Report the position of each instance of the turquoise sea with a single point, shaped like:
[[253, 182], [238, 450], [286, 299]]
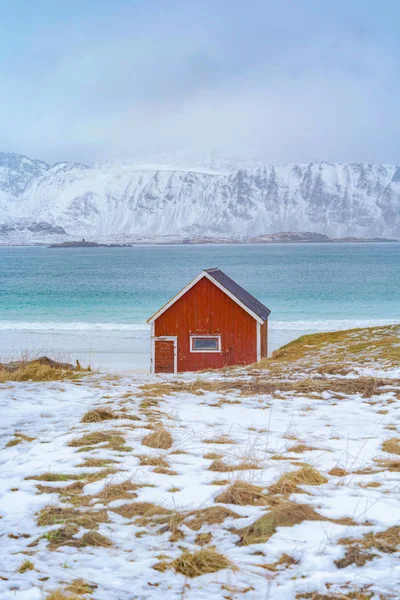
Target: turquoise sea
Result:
[[94, 302]]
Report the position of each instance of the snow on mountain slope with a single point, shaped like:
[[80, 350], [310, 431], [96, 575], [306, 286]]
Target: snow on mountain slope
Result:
[[118, 199]]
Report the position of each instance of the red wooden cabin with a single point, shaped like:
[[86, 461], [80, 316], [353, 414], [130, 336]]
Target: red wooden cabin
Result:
[[210, 324]]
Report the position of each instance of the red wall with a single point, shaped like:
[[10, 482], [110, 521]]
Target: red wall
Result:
[[207, 310]]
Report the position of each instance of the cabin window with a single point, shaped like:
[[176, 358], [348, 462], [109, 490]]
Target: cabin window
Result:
[[205, 343]]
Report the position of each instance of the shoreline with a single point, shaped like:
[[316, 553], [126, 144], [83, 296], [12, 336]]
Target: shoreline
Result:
[[132, 244], [125, 348]]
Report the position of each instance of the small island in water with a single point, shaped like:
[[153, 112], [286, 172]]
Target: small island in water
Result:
[[284, 237], [84, 244]]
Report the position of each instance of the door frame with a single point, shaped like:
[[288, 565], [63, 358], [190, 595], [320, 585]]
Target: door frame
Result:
[[167, 338]]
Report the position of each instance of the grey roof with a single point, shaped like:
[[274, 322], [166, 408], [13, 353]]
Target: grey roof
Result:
[[236, 290]]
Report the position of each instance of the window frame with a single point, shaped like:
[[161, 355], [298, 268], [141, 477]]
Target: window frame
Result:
[[205, 350]]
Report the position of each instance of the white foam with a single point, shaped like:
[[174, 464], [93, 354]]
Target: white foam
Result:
[[78, 326], [321, 325], [329, 325]]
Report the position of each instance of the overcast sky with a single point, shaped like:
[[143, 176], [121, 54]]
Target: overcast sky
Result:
[[285, 81]]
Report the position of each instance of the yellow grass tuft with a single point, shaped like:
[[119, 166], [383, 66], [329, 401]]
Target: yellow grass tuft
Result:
[[119, 491], [27, 565], [289, 482], [39, 369], [99, 414], [57, 515], [392, 446], [389, 465], [112, 439], [59, 595], [206, 560], [284, 514], [338, 472], [220, 466], [159, 438], [214, 515], [202, 539], [80, 586], [140, 509], [153, 461], [221, 439], [242, 493]]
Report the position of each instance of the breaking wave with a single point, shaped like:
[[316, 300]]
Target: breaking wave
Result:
[[329, 325], [52, 326], [313, 326]]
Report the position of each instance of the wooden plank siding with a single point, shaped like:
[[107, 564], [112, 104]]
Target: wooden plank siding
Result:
[[206, 310], [164, 356], [264, 339]]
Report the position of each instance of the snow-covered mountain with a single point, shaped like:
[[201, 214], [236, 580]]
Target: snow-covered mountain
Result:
[[117, 199]]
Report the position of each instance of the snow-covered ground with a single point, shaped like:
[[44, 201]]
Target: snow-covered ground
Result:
[[226, 427]]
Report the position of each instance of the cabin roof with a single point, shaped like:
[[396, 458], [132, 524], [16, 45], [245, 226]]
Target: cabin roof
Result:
[[239, 295]]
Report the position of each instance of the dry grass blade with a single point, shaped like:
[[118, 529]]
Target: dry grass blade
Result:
[[39, 369], [285, 514], [220, 466], [113, 439], [389, 465], [57, 515], [338, 472], [242, 493], [153, 461], [99, 414], [159, 438], [119, 491], [392, 446], [289, 482], [214, 515], [206, 560], [140, 509]]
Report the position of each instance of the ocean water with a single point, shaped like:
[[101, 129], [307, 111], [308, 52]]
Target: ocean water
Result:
[[93, 303]]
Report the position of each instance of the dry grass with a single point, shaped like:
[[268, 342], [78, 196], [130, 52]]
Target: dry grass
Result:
[[99, 414], [57, 515], [263, 385], [40, 369], [289, 482], [59, 595], [389, 465], [206, 560], [214, 515], [119, 491], [159, 438], [338, 472], [97, 462], [202, 539], [80, 586], [299, 448], [359, 550], [94, 538], [345, 595], [112, 439], [221, 439], [18, 438], [284, 514], [140, 509], [164, 471], [220, 466], [27, 565], [153, 461], [392, 446], [284, 562], [242, 494]]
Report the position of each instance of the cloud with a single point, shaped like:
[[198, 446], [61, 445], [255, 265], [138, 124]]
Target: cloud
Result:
[[289, 90]]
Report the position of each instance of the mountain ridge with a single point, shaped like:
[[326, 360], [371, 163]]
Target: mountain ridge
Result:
[[134, 198]]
